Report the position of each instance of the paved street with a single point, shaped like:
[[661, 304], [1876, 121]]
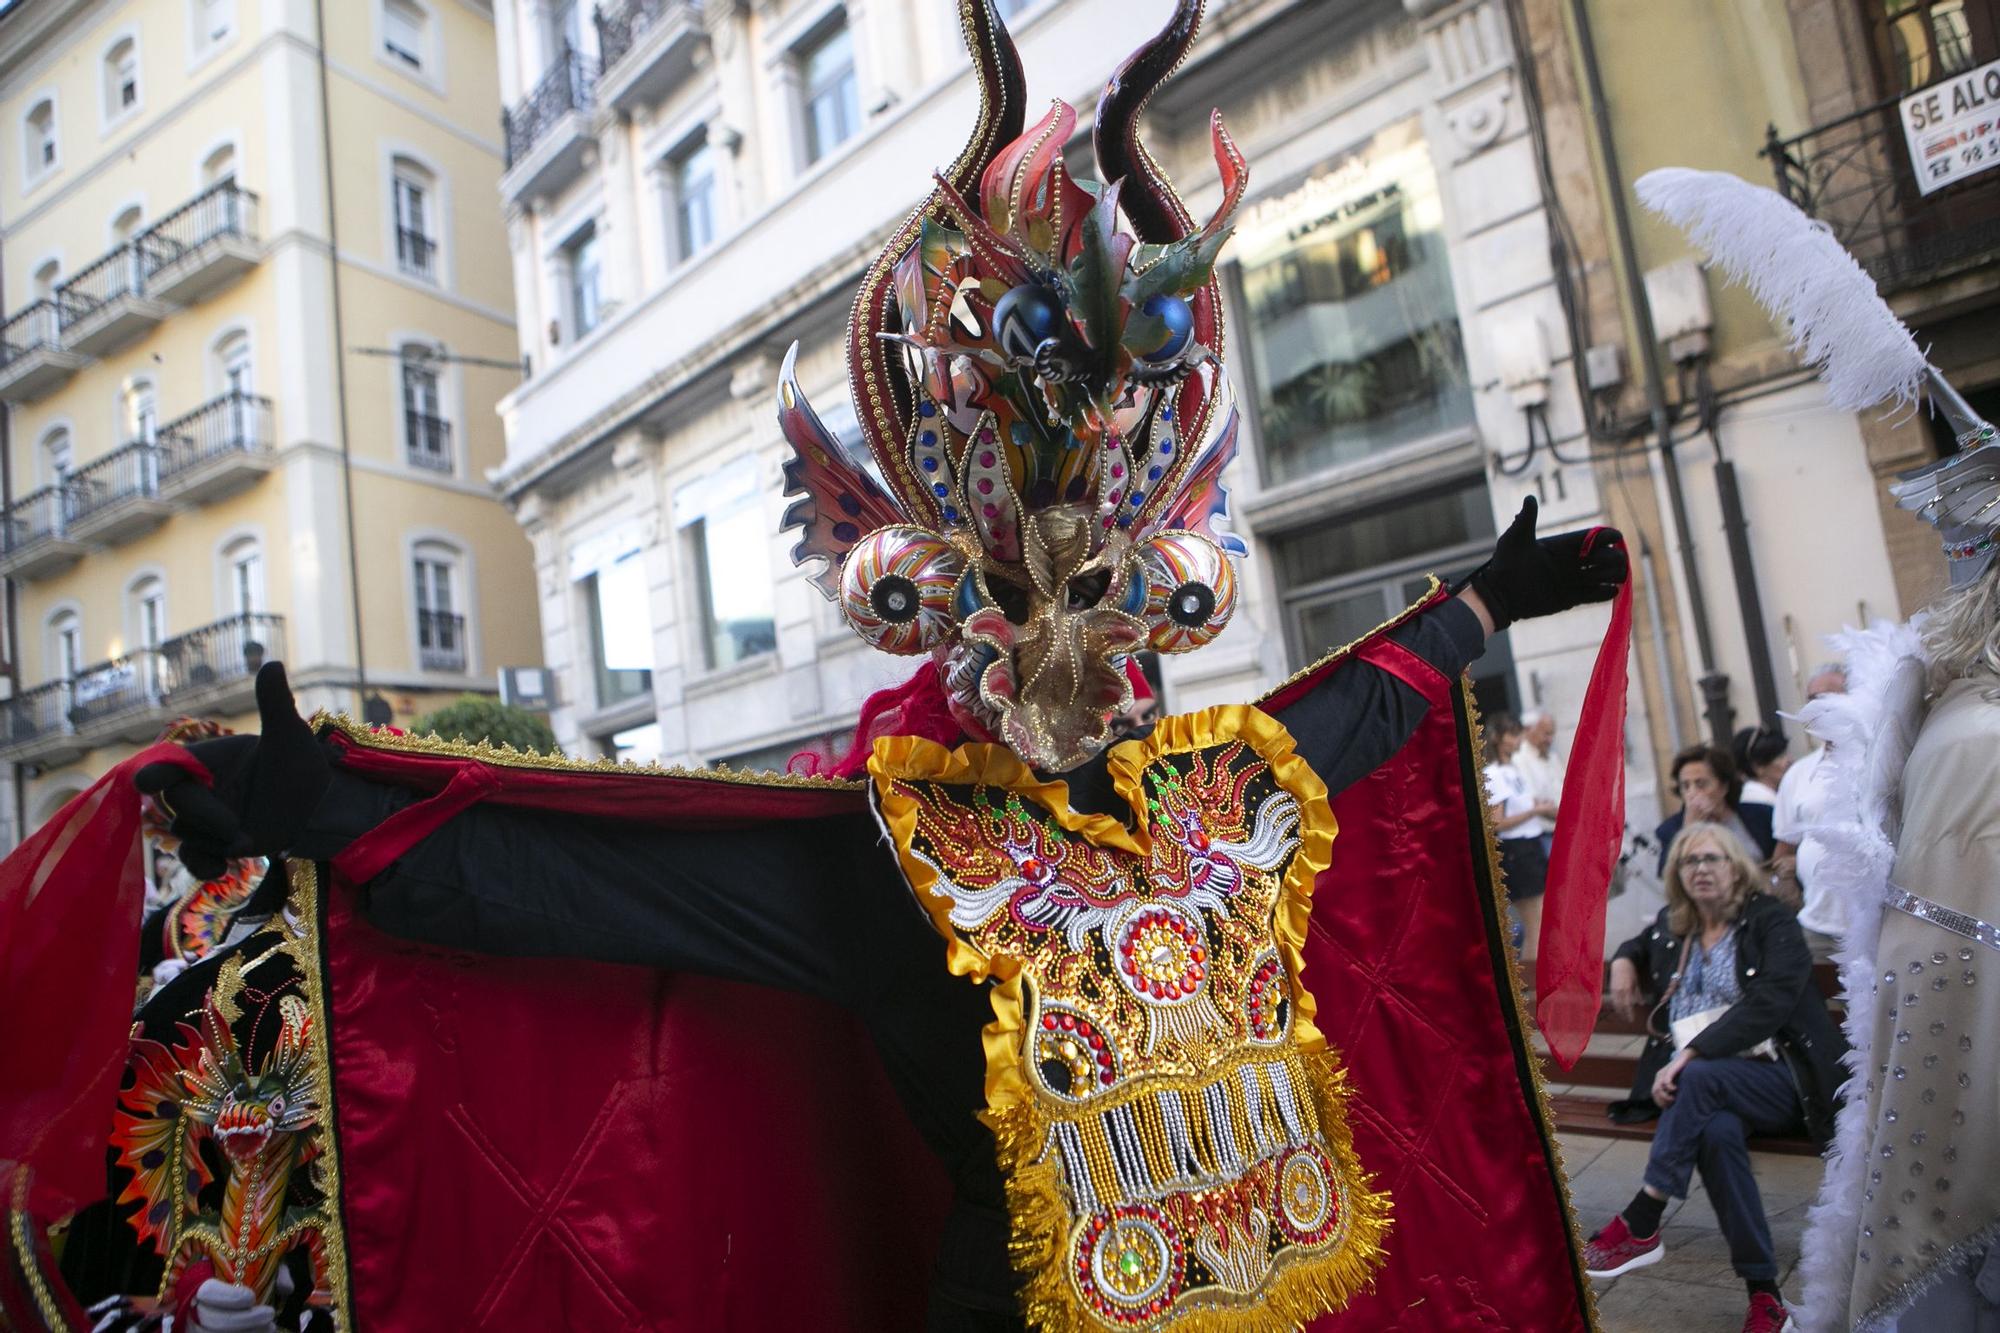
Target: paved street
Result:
[[1692, 1290]]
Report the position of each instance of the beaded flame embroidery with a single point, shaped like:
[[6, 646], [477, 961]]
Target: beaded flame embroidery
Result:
[[1170, 1122]]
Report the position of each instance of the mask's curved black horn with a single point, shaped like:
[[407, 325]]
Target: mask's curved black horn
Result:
[[883, 396], [1156, 212], [1003, 93]]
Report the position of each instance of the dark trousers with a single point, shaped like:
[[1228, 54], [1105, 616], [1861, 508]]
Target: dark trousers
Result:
[[1718, 1104]]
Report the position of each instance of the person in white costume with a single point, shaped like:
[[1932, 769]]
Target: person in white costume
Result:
[[1801, 796], [1904, 1234]]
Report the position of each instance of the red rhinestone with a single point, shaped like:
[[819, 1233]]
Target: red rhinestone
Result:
[[1198, 954], [1197, 972], [1031, 868], [1068, 1022], [1096, 1042], [1198, 840], [1108, 1079]]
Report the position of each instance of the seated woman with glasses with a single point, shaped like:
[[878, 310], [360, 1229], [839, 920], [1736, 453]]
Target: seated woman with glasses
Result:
[[1741, 1044], [1711, 791]]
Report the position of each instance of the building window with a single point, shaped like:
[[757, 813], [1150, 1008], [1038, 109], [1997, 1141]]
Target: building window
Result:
[[1352, 326], [416, 245], [47, 276], [634, 745], [426, 433], [243, 576], [39, 153], [149, 612], [65, 645], [565, 30], [583, 276], [1922, 41], [1341, 578], [727, 540], [142, 412], [121, 80], [58, 456], [440, 624], [693, 171], [214, 21], [618, 611], [233, 364], [219, 167], [234, 371], [832, 96], [405, 28]]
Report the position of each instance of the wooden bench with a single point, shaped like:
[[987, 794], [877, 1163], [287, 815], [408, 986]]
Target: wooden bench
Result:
[[1587, 1113]]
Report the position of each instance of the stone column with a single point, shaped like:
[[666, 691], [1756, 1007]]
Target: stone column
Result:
[[528, 303], [618, 226], [1517, 340]]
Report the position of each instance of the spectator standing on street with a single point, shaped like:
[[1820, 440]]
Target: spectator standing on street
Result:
[[1762, 755], [1519, 820], [1539, 763], [1711, 792], [1795, 861]]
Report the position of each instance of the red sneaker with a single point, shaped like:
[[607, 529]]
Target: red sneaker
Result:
[[1767, 1315], [1616, 1250]]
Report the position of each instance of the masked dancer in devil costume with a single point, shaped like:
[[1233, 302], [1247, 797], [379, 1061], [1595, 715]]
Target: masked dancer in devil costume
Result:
[[1083, 966]]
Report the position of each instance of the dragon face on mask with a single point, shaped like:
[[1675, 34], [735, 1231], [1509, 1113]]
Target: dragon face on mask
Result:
[[1035, 365]]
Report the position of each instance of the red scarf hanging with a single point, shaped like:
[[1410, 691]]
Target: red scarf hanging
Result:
[[1590, 827], [70, 898]]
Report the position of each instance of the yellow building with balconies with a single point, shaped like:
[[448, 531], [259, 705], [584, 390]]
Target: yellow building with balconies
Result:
[[257, 309]]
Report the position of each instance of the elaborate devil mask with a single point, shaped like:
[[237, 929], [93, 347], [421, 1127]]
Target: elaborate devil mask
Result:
[[1035, 365]]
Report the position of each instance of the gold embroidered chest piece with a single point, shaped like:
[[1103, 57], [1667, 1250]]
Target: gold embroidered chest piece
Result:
[[1170, 1122]]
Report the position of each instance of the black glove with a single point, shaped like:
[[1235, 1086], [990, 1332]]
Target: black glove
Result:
[[265, 786], [1525, 578]]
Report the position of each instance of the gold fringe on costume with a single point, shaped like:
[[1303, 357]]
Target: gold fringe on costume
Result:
[[1302, 1285]]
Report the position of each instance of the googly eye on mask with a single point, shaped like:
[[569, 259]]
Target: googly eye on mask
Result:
[[1190, 591], [897, 587]]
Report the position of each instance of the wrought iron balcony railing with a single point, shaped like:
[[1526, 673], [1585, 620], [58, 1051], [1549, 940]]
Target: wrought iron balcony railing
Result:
[[227, 652], [222, 210], [440, 640], [568, 86], [119, 272], [42, 514], [235, 423], [126, 473], [621, 25], [428, 440], [32, 328], [134, 693], [415, 252], [1855, 175]]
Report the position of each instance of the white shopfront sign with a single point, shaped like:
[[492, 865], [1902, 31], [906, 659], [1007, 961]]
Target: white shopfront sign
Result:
[[1953, 128]]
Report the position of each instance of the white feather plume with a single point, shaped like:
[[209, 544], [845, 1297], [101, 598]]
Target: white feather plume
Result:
[[1795, 269]]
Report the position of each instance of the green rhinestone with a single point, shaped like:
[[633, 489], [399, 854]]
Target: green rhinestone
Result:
[[1128, 1263]]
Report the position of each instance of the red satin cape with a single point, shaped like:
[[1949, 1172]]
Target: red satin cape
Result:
[[566, 1144]]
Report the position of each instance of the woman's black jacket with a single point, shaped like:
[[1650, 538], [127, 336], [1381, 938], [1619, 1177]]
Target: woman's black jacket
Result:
[[1774, 970]]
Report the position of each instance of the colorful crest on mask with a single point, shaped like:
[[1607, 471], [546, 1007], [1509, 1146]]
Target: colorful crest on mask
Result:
[[1035, 362]]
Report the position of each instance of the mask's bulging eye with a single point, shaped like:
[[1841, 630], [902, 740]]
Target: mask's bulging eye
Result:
[[1087, 590], [897, 588], [1191, 591], [1024, 318], [1176, 319]]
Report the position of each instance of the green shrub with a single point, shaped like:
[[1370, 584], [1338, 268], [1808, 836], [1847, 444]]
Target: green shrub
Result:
[[478, 717]]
